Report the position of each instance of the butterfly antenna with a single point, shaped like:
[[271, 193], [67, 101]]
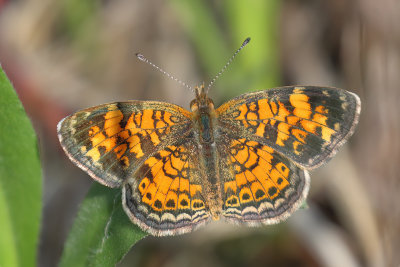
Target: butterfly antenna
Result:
[[245, 42], [144, 59]]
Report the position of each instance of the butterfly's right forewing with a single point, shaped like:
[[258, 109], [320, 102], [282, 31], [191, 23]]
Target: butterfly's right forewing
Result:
[[306, 124]]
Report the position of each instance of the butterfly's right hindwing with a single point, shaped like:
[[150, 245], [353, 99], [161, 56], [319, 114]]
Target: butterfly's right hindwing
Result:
[[260, 186]]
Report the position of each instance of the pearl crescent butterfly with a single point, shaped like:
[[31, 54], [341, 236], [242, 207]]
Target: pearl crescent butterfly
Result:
[[245, 161]]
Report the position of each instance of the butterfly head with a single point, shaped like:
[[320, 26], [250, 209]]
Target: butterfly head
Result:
[[201, 102]]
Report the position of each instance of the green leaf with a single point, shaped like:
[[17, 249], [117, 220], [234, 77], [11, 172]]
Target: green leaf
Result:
[[102, 233], [20, 182]]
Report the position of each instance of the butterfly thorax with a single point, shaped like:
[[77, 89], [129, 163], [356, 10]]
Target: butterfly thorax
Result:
[[204, 120], [203, 115]]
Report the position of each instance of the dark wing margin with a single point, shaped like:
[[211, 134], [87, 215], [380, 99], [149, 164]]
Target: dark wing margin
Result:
[[110, 141], [165, 195], [307, 124]]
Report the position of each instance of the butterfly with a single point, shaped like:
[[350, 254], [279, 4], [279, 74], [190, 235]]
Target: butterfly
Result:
[[246, 161]]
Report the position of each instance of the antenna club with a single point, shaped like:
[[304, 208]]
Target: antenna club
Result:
[[140, 57], [246, 41]]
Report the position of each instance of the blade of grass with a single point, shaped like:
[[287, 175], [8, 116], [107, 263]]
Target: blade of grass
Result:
[[102, 233], [258, 19], [20, 182], [217, 33], [202, 28]]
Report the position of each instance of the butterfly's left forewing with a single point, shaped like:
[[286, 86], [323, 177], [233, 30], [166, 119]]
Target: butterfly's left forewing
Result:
[[111, 141]]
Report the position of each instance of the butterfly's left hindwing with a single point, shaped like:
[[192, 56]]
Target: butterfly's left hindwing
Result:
[[165, 196], [111, 141], [306, 124]]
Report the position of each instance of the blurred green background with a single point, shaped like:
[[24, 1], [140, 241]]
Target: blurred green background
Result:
[[70, 54]]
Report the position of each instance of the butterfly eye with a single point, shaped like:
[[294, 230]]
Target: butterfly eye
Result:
[[194, 105], [210, 103]]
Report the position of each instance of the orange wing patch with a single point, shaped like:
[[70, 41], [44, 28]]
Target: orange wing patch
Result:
[[142, 125], [165, 196], [263, 184], [166, 184], [263, 113], [256, 175]]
